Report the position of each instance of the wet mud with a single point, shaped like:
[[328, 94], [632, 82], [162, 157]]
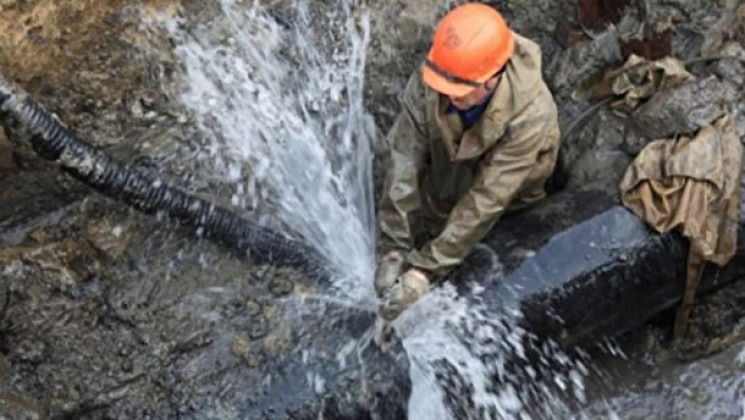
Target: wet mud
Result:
[[106, 313]]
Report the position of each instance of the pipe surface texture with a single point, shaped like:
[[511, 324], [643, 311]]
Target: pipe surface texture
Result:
[[29, 122], [593, 270]]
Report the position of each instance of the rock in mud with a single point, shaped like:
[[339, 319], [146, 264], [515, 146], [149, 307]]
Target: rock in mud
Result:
[[278, 341], [252, 355], [258, 329], [683, 110], [64, 263], [576, 64], [731, 69], [281, 284], [110, 239], [253, 308], [595, 155], [239, 347], [255, 356]]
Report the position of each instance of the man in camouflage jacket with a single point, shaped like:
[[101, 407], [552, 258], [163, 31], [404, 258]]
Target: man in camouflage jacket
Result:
[[472, 142]]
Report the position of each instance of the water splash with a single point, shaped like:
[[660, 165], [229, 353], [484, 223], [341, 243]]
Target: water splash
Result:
[[471, 361], [282, 108], [285, 126]]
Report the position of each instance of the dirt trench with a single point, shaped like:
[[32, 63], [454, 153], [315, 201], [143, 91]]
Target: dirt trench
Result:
[[105, 313]]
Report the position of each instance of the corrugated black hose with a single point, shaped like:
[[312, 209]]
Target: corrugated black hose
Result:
[[28, 121]]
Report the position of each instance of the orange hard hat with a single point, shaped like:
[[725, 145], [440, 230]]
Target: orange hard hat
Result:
[[471, 44]]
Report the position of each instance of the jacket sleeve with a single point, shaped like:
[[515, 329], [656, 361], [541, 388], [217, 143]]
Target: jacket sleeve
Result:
[[408, 146], [498, 181]]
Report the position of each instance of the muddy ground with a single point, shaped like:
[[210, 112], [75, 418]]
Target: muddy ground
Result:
[[105, 313]]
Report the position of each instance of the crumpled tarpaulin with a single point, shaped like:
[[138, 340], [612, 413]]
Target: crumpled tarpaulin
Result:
[[636, 81], [691, 184]]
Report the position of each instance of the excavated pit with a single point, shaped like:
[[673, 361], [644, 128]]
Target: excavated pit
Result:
[[108, 313]]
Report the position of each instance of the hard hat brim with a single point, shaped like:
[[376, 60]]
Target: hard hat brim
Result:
[[443, 85]]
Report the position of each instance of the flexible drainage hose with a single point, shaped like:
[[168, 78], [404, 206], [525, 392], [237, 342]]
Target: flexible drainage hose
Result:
[[28, 121]]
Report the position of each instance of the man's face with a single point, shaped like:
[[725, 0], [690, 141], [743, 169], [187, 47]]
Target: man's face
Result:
[[476, 96]]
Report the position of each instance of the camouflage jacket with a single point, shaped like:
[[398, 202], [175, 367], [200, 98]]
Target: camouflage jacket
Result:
[[468, 178]]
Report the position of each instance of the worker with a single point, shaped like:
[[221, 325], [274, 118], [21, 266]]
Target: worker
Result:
[[477, 136]]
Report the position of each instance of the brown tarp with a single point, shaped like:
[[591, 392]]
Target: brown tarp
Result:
[[691, 184]]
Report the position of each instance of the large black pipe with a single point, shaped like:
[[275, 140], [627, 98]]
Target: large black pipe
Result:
[[594, 269], [28, 121]]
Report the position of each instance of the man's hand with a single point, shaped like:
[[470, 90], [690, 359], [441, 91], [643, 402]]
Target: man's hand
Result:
[[416, 274], [388, 271], [406, 290]]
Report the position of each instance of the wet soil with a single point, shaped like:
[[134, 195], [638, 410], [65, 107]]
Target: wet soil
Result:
[[105, 313]]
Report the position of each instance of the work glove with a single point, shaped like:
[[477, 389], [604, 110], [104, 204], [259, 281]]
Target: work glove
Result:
[[389, 269], [405, 290]]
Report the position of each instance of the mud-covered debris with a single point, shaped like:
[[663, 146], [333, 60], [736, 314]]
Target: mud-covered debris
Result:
[[127, 366], [269, 312], [281, 284], [195, 340], [281, 287], [252, 355], [262, 273], [574, 65], [239, 347], [5, 370], [65, 263], [598, 169], [683, 110], [255, 357], [253, 308], [730, 69], [279, 340], [111, 239], [258, 329], [568, 36], [741, 359]]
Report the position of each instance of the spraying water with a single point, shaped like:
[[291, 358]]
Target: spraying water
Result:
[[285, 125], [282, 110]]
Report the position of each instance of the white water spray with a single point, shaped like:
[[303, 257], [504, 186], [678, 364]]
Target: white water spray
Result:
[[470, 361], [285, 125], [282, 107]]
